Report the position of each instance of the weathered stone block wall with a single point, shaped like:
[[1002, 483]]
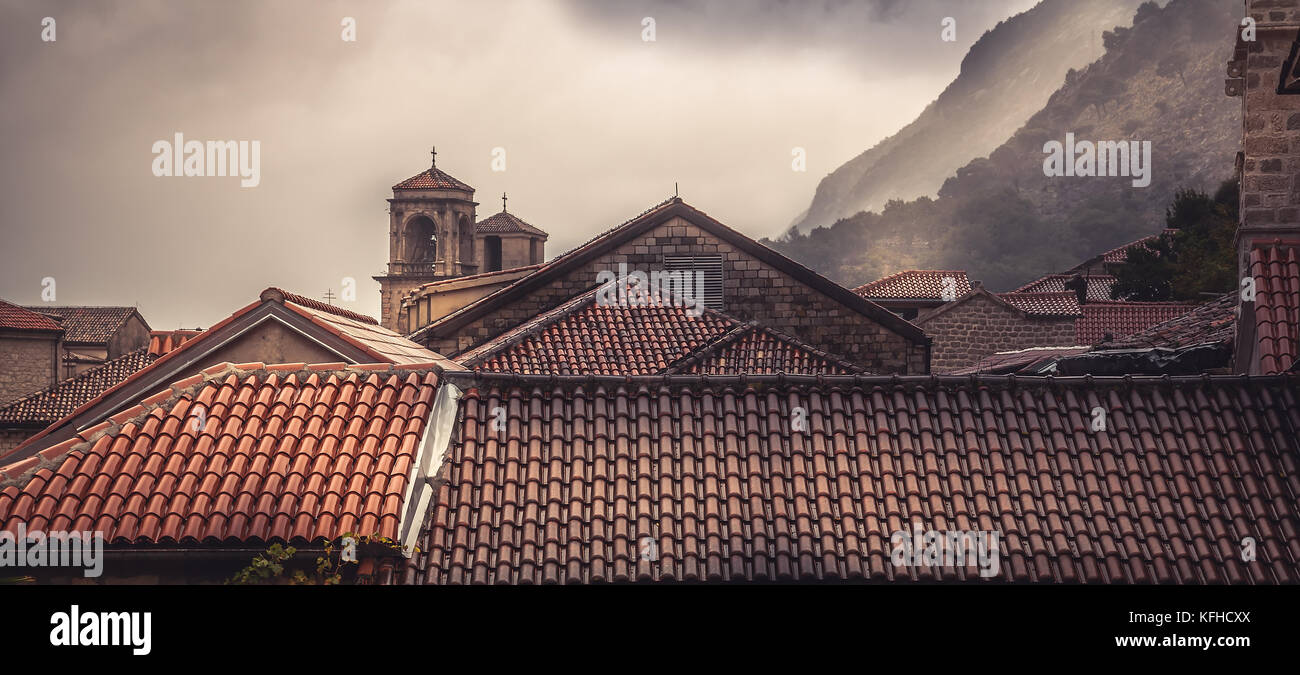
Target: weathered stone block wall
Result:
[[1271, 137], [753, 290], [1270, 192], [27, 364], [12, 438], [133, 335], [391, 292], [980, 327], [516, 252]]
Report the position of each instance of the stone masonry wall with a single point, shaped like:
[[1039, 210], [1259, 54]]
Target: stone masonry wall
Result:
[[133, 335], [1270, 162], [1270, 192], [26, 365], [752, 290], [391, 291], [12, 438], [980, 327]]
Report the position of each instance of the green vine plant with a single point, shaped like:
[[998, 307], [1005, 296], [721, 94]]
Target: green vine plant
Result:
[[270, 566]]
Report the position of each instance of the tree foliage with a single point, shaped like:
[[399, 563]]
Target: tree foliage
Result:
[[1195, 260], [329, 569]]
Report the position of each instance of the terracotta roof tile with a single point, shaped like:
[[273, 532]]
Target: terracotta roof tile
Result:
[[583, 337], [504, 223], [53, 403], [13, 317], [432, 178], [656, 480], [1120, 318], [1064, 303], [89, 325], [1211, 323], [915, 285], [1276, 268], [247, 469], [380, 344], [672, 207], [1099, 285], [164, 341], [755, 349]]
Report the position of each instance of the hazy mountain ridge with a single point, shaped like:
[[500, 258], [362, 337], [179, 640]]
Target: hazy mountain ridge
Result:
[[1000, 218], [1006, 76]]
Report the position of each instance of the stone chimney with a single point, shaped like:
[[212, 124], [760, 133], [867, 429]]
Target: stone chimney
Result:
[[1079, 285]]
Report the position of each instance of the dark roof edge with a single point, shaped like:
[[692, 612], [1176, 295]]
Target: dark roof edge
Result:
[[476, 377]]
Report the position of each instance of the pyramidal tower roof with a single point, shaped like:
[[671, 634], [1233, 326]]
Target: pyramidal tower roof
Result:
[[433, 178]]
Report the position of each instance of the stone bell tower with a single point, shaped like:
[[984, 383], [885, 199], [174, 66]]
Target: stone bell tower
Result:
[[430, 236], [1265, 73]]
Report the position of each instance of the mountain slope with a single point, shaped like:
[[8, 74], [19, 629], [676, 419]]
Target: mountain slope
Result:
[[1006, 77], [1005, 222]]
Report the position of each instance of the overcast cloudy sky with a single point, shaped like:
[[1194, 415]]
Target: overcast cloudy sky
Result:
[[597, 125]]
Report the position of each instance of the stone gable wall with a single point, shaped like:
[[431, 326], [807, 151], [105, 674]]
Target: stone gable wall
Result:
[[27, 365], [980, 327], [753, 290]]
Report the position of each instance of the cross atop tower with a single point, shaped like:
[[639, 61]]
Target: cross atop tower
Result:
[[503, 202], [433, 150], [329, 296]]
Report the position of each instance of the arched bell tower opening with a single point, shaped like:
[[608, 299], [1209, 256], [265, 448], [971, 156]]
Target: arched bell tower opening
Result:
[[420, 244], [430, 236]]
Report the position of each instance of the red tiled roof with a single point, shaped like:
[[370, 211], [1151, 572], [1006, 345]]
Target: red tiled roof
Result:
[[1120, 318], [1276, 268], [88, 325], [754, 349], [583, 337], [660, 213], [586, 470], [432, 178], [53, 403], [13, 317], [1045, 304], [164, 341], [377, 344], [1099, 285], [286, 453], [504, 223], [915, 285], [1214, 322]]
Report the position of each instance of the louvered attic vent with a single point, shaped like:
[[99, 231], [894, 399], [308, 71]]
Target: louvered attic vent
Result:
[[710, 265]]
